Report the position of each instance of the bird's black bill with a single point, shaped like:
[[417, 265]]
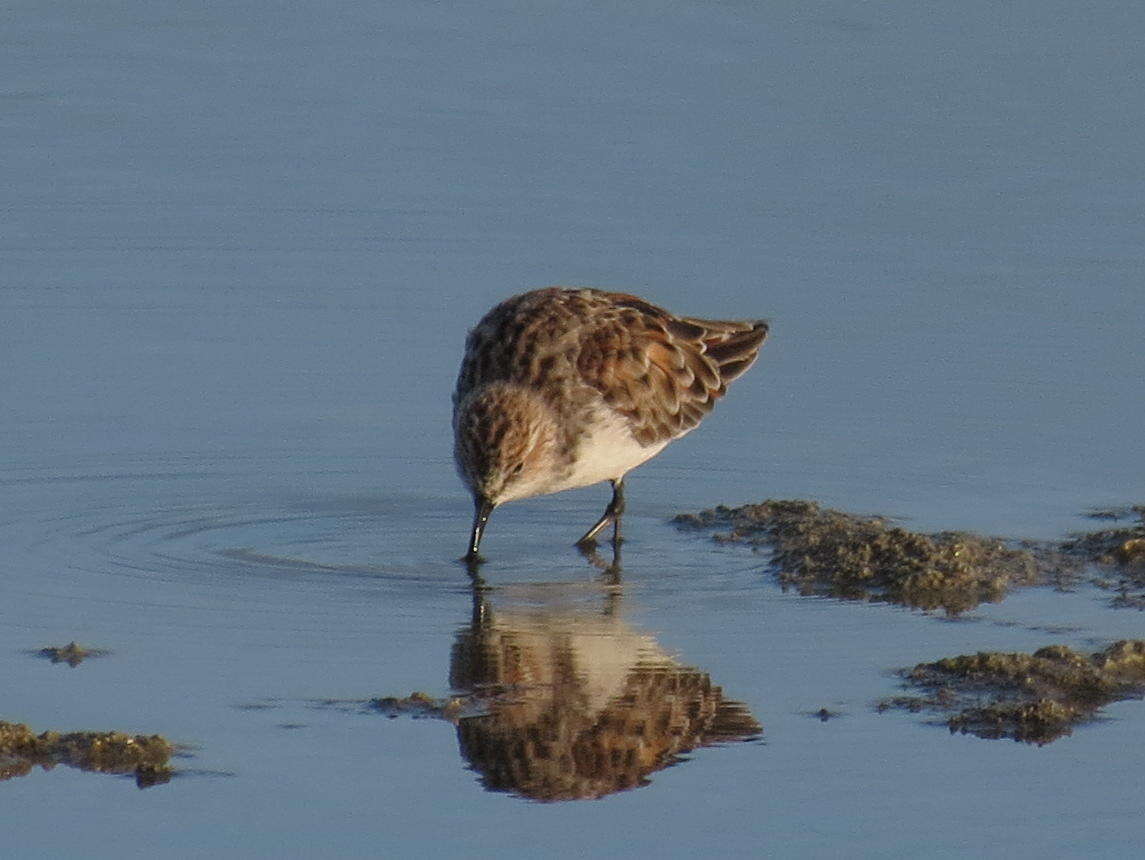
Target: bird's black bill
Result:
[[482, 508]]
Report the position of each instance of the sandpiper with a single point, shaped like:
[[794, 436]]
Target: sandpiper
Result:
[[562, 388]]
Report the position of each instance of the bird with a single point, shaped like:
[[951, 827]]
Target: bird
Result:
[[565, 387]]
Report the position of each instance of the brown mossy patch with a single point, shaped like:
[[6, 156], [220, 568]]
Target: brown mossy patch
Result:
[[146, 757], [1116, 546], [1119, 551], [420, 705], [72, 653], [823, 551], [1036, 698]]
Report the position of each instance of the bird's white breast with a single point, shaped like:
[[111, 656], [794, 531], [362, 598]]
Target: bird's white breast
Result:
[[606, 451]]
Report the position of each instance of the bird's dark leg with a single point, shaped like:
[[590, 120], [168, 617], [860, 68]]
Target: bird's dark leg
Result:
[[611, 515], [482, 508], [617, 510]]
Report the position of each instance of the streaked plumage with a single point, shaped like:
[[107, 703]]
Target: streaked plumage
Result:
[[562, 388]]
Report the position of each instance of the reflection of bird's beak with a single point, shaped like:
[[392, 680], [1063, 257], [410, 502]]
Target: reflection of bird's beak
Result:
[[482, 508]]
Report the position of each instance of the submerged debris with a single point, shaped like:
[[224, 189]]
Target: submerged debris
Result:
[[823, 551], [420, 705], [1121, 551], [1036, 698], [145, 756], [72, 654], [1120, 546]]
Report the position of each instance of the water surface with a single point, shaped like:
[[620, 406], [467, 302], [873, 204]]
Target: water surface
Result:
[[241, 247]]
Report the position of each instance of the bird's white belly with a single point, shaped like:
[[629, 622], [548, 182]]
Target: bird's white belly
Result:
[[606, 453]]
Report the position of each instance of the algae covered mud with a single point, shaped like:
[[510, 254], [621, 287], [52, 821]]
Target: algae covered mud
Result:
[[1036, 697], [145, 757], [73, 654], [822, 551], [1118, 553]]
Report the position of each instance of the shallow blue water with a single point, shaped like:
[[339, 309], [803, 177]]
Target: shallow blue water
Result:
[[240, 248]]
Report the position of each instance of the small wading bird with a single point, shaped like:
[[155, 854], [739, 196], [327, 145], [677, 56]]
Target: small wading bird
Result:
[[562, 388]]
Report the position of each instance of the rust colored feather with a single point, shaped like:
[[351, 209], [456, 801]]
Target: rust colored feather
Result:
[[662, 373], [581, 350]]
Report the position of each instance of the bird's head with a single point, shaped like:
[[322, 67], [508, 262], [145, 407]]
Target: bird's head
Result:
[[504, 440]]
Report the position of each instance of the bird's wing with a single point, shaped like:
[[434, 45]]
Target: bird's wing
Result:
[[663, 373]]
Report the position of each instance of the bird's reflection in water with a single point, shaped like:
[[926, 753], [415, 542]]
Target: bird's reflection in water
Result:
[[580, 705]]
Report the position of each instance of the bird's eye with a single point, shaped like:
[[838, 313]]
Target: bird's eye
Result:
[[517, 469]]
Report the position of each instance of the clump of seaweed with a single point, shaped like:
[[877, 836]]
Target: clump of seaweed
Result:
[[1119, 551], [420, 705], [72, 654], [144, 756], [1124, 546], [1035, 698], [823, 551]]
